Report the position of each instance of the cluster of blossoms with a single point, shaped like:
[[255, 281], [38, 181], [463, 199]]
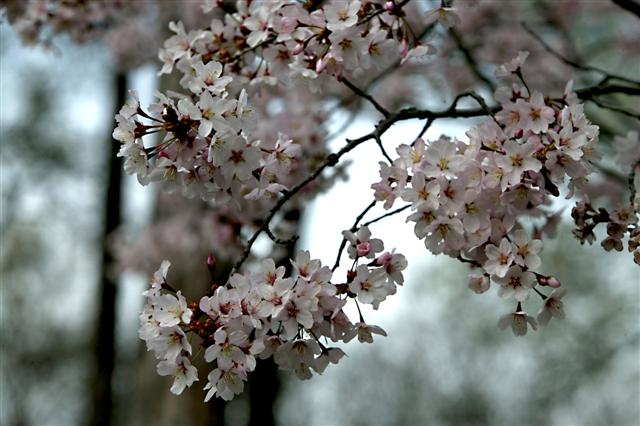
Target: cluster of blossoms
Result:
[[620, 221], [267, 313], [469, 198], [291, 42], [83, 20]]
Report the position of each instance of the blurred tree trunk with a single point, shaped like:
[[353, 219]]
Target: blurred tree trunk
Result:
[[102, 398], [264, 384]]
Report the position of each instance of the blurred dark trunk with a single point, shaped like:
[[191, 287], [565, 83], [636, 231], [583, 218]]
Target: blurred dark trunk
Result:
[[102, 398], [263, 391], [264, 384]]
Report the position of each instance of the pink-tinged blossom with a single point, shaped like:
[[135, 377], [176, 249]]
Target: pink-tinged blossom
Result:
[[516, 283], [513, 66], [552, 307], [224, 304], [479, 283], [328, 355], [446, 16], [172, 310], [226, 348], [365, 332], [184, 374], [361, 244], [368, 285], [380, 52], [225, 383], [499, 259], [295, 312], [392, 264], [442, 159], [526, 250], [274, 295], [169, 343], [517, 159], [304, 266], [535, 115], [422, 191], [423, 217], [445, 235], [518, 322], [342, 14], [299, 351]]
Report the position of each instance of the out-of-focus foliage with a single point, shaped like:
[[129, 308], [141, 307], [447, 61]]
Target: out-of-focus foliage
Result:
[[48, 220]]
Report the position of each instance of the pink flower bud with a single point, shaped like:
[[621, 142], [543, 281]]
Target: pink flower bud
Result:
[[296, 50], [383, 259], [553, 282], [211, 262], [321, 64], [388, 6]]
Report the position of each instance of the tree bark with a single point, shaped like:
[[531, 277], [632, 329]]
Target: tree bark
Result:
[[104, 340]]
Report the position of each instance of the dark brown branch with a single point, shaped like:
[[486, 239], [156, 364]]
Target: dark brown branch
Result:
[[471, 62], [572, 63], [333, 159], [402, 115], [631, 182], [353, 228], [629, 5], [391, 213], [614, 108], [102, 391], [588, 93], [280, 241], [364, 95], [381, 10], [384, 152]]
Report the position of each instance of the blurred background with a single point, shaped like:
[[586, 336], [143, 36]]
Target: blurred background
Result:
[[79, 240]]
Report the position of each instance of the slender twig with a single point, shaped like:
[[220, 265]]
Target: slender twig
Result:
[[364, 95], [391, 213], [426, 126], [615, 108], [572, 63], [353, 228], [385, 124], [471, 62], [606, 89], [379, 11], [384, 152], [631, 182], [280, 241], [333, 159]]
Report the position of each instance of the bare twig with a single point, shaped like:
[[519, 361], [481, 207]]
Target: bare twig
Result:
[[333, 159], [631, 182], [471, 62], [364, 95], [572, 63], [615, 109], [402, 115], [426, 126], [607, 89], [384, 152], [391, 213], [353, 228], [280, 241]]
